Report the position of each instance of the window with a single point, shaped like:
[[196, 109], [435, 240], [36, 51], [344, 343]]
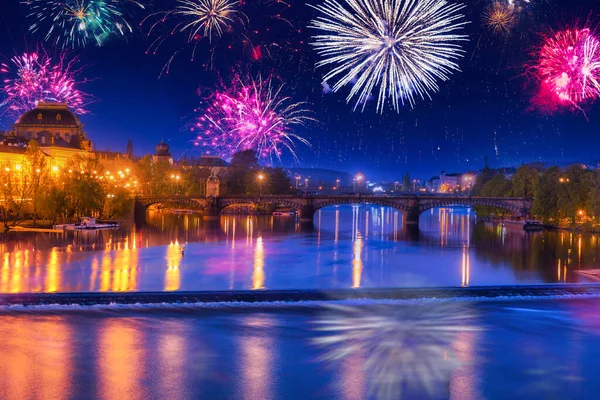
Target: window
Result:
[[40, 116], [58, 117]]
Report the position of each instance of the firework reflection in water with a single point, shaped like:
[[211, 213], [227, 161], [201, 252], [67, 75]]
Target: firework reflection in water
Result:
[[406, 349]]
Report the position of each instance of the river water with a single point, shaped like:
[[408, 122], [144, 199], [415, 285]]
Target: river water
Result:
[[347, 247], [353, 349]]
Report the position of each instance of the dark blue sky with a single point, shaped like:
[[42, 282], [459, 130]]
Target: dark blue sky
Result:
[[453, 131]]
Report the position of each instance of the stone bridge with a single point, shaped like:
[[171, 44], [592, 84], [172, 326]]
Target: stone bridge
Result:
[[410, 207]]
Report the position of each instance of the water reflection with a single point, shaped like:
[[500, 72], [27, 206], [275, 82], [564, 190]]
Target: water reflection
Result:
[[36, 354], [120, 364], [350, 246]]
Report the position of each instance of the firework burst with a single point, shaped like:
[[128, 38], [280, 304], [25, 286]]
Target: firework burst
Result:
[[499, 18], [197, 19], [34, 77], [252, 114], [568, 66], [404, 348], [76, 23], [401, 47], [210, 17]]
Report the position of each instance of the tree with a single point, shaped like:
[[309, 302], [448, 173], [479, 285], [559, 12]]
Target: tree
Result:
[[118, 204], [525, 181], [154, 177], [485, 175], [406, 183], [572, 191], [38, 176], [498, 186], [194, 180], [277, 181], [81, 181], [545, 200], [593, 204]]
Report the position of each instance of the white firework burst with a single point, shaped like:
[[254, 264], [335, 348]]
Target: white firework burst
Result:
[[401, 47], [405, 348]]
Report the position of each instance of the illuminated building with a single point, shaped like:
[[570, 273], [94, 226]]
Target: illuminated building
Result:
[[60, 135]]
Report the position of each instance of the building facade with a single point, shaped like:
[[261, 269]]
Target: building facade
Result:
[[60, 135]]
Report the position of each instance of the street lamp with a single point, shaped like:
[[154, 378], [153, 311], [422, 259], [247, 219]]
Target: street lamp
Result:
[[337, 184], [176, 178], [260, 182], [359, 178], [298, 177]]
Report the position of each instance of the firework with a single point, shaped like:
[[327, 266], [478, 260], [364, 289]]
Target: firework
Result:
[[252, 114], [499, 17], [209, 16], [223, 31], [401, 47], [402, 348], [569, 66], [34, 77], [75, 23]]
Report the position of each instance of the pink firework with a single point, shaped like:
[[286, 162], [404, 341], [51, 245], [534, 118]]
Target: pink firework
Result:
[[569, 67], [34, 77], [251, 114]]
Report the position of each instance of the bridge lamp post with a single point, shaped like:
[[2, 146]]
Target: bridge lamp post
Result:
[[260, 183], [337, 184], [359, 178], [298, 177]]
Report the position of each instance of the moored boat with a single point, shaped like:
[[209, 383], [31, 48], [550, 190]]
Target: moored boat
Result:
[[526, 225], [87, 223]]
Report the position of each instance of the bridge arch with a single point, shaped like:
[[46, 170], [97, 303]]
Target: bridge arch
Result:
[[513, 206]]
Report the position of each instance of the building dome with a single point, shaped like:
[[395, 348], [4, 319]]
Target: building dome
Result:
[[49, 114], [162, 149]]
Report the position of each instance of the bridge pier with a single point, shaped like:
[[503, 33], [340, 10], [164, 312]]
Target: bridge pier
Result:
[[212, 210], [139, 212], [411, 214], [307, 213]]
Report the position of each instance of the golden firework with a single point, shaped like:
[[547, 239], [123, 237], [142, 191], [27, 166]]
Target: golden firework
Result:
[[499, 17]]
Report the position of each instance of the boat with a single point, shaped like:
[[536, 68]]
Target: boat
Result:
[[526, 225], [532, 226], [283, 213], [87, 223], [187, 212]]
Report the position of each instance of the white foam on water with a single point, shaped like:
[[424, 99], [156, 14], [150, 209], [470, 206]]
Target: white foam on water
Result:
[[278, 305]]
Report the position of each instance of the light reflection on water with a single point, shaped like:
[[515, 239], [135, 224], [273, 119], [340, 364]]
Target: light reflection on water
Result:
[[347, 247]]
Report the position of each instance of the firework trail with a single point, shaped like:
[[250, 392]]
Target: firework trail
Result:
[[251, 114], [568, 68], [34, 77], [404, 348], [401, 47], [229, 29], [76, 23]]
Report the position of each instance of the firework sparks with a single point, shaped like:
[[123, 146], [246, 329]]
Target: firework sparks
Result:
[[499, 17], [401, 46], [251, 115], [35, 77], [209, 16], [569, 66], [405, 348], [75, 23]]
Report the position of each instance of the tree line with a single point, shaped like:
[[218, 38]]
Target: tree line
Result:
[[570, 195]]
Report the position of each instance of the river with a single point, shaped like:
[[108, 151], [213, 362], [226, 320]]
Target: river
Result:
[[476, 348], [347, 247]]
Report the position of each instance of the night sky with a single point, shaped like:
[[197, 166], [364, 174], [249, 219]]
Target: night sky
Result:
[[484, 110]]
